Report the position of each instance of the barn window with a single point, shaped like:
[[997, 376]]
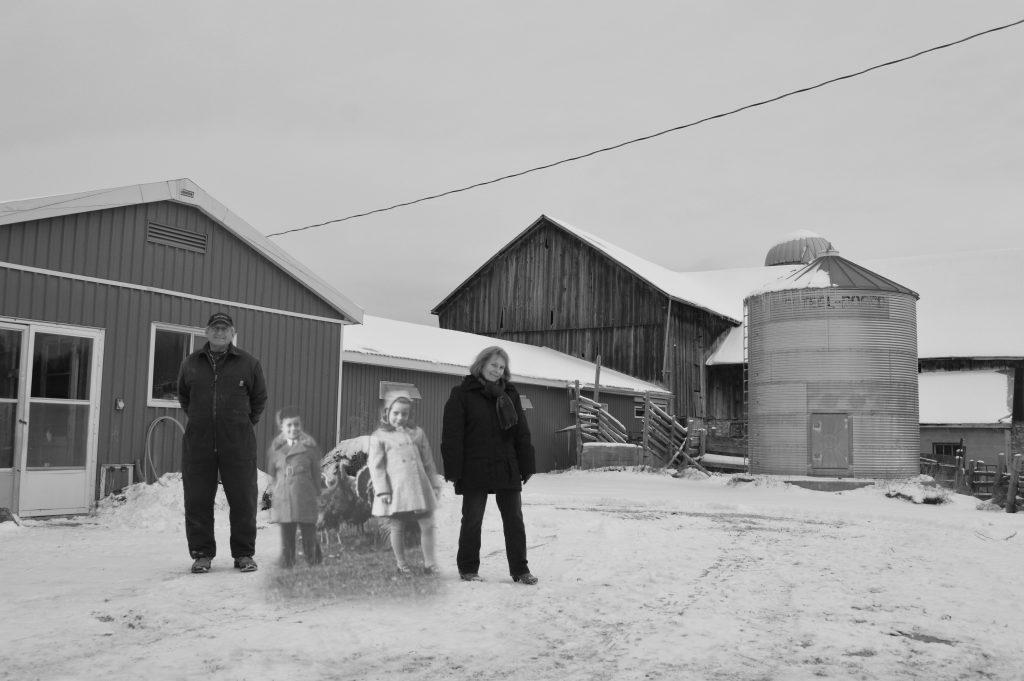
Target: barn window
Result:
[[168, 346], [638, 405], [389, 388], [946, 449]]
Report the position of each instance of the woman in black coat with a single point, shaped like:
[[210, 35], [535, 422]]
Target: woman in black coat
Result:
[[486, 448]]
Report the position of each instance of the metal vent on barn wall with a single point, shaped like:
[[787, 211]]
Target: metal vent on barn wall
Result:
[[176, 237], [188, 193]]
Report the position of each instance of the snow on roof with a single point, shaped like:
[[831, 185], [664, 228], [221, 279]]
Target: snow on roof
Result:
[[831, 270], [428, 348], [717, 291], [184, 191], [948, 397]]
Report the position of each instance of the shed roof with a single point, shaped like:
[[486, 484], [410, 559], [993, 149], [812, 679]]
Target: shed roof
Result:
[[187, 192], [965, 397], [419, 347]]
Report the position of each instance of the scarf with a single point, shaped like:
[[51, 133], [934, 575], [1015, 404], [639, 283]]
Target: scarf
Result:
[[506, 411]]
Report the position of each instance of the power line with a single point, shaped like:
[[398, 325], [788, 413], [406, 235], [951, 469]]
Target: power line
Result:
[[653, 135]]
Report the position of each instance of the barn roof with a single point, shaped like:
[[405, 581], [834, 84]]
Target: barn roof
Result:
[[715, 291], [187, 192], [419, 347], [965, 308]]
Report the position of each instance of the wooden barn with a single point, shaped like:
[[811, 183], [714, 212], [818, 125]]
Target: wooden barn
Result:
[[102, 293], [430, 361], [558, 286], [555, 285]]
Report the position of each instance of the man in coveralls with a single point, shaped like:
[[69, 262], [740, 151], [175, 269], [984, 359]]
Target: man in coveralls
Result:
[[223, 393]]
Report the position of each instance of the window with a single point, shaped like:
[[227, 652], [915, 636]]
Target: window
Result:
[[950, 449], [389, 389], [638, 405], [169, 345]]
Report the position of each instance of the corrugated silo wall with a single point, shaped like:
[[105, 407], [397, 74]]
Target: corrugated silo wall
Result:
[[360, 406], [814, 351]]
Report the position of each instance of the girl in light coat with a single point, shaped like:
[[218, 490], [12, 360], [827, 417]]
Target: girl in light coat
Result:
[[405, 480], [293, 462]]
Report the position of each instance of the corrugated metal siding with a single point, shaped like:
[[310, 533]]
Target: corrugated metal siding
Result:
[[112, 244], [300, 358], [807, 357]]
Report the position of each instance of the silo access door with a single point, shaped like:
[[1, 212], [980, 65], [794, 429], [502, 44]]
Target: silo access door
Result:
[[830, 443]]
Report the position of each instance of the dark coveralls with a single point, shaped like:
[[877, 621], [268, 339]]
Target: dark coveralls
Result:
[[223, 401]]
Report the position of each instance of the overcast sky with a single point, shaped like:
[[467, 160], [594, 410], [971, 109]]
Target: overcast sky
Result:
[[296, 113]]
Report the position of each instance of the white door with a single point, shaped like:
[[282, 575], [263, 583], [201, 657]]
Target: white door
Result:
[[12, 347], [59, 420]]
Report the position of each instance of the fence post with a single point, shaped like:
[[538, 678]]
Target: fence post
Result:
[[579, 428], [1011, 491]]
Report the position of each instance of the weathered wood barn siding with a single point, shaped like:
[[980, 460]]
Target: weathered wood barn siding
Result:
[[361, 406], [550, 288], [96, 269], [691, 337]]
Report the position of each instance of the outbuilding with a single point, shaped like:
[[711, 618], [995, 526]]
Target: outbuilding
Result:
[[382, 354], [102, 293]]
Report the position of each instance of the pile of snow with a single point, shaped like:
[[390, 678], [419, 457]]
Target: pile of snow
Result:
[[159, 506]]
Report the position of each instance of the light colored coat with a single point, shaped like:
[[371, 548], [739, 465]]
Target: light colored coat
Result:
[[402, 465], [297, 481]]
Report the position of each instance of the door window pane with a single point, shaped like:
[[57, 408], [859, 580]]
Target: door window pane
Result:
[[10, 363], [61, 367], [7, 412], [57, 435]]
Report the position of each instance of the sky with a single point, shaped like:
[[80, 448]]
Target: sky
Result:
[[292, 115], [643, 577]]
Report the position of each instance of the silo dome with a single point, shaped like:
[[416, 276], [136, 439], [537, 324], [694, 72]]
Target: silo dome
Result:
[[832, 374], [797, 248]]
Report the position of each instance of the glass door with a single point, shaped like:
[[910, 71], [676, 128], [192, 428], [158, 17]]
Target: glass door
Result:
[[61, 414], [11, 347]]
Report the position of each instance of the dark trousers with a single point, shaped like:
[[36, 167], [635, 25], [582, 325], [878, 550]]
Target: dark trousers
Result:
[[199, 477], [310, 544], [510, 504]]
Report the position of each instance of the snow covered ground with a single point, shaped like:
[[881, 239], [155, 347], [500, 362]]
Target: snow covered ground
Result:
[[643, 576]]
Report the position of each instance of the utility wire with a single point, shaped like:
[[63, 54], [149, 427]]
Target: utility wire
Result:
[[653, 135]]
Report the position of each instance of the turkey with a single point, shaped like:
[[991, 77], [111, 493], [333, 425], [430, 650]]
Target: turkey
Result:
[[349, 493]]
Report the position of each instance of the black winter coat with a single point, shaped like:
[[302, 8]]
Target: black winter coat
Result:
[[222, 408], [477, 453]]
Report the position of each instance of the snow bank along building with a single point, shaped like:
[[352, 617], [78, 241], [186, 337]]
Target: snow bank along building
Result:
[[102, 294], [559, 286], [381, 354]]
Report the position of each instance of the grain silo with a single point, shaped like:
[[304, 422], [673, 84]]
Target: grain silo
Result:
[[832, 370]]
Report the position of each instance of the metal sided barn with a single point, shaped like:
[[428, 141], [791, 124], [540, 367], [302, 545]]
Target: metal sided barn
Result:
[[431, 361], [102, 293]]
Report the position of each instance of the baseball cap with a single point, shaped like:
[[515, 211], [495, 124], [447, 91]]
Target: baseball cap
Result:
[[221, 319]]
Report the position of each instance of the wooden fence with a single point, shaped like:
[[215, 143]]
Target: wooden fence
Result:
[[1000, 482]]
